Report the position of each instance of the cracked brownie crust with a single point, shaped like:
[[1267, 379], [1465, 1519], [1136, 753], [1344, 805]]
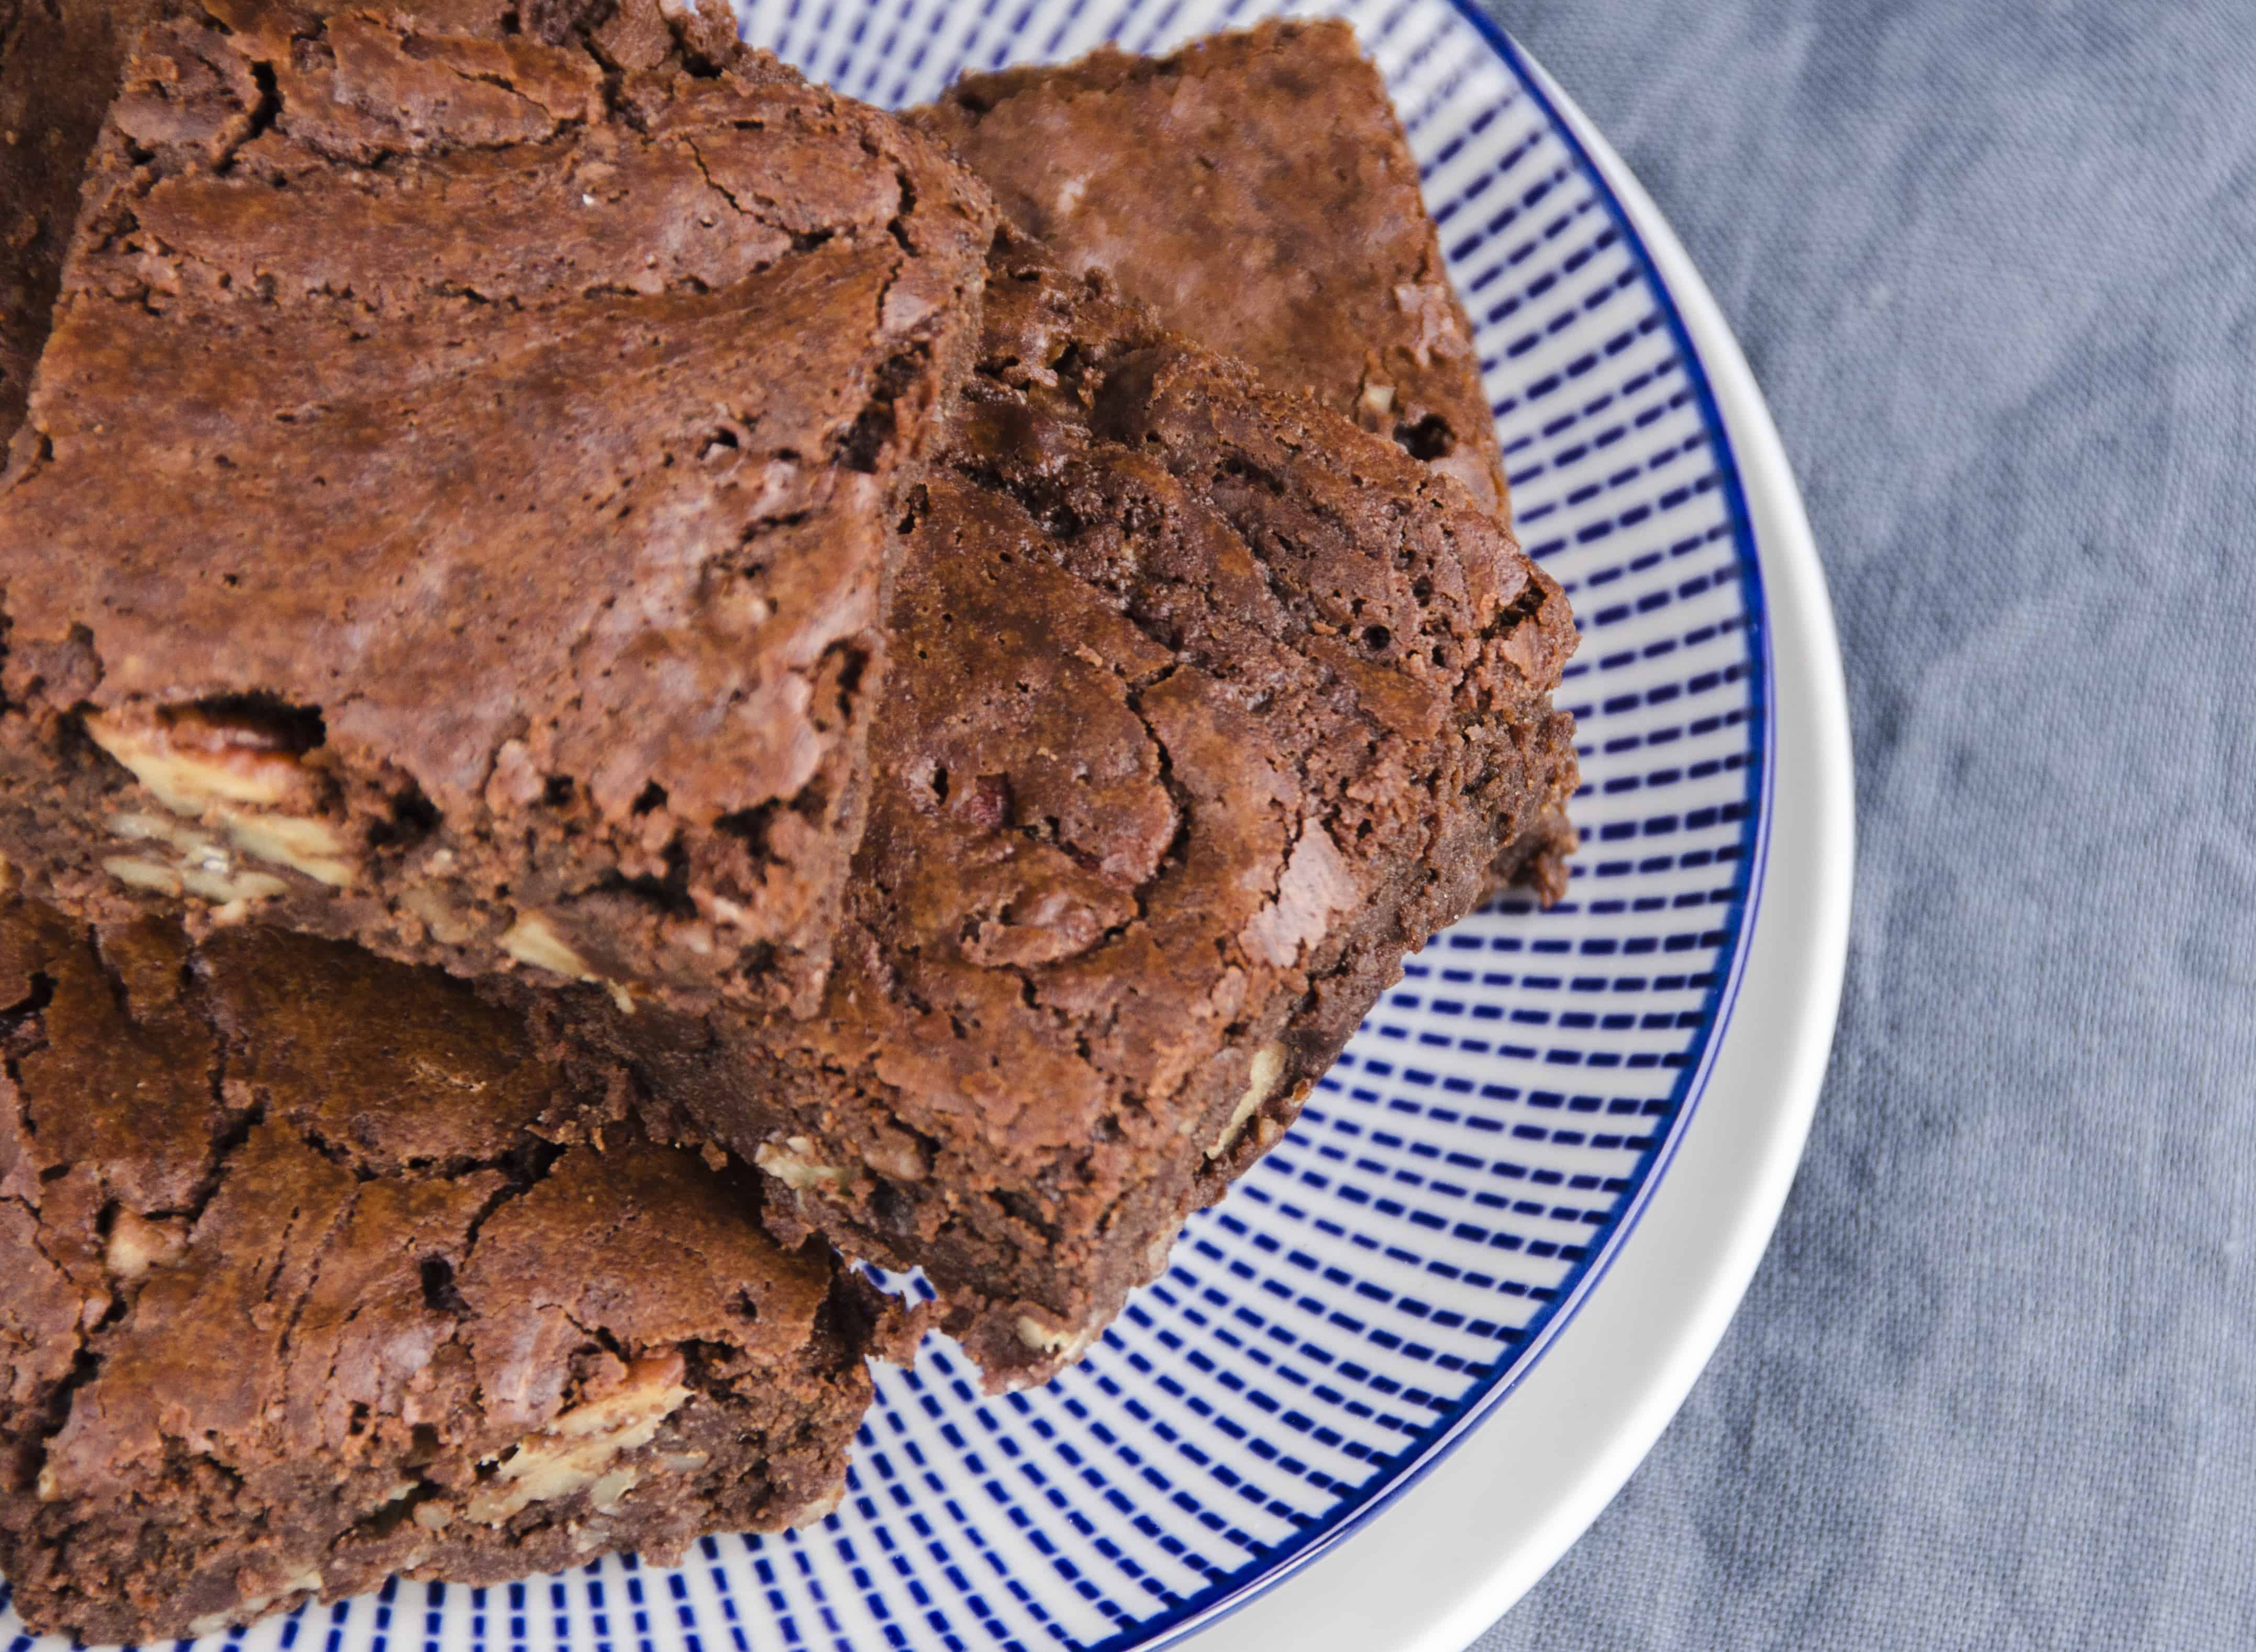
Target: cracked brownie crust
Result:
[[1257, 191], [1207, 708], [314, 1272], [459, 493]]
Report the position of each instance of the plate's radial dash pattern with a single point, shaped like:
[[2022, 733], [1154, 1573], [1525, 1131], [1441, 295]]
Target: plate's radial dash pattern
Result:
[[1461, 1177]]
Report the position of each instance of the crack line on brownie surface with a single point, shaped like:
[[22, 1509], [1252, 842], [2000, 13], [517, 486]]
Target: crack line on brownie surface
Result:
[[522, 1169], [228, 1134], [297, 1243], [1199, 656], [228, 1127], [596, 299], [318, 36], [904, 213], [268, 113], [801, 241], [1031, 496]]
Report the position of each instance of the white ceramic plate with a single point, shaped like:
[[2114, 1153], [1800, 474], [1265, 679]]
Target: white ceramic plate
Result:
[[1388, 1382]]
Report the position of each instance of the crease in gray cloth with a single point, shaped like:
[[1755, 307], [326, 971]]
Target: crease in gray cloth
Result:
[[1995, 268]]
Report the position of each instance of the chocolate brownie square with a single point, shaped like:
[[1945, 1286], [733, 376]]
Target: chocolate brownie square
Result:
[[1207, 708], [1257, 191], [460, 489], [312, 1272]]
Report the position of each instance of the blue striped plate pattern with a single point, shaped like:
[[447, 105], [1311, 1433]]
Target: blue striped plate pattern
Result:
[[1460, 1180]]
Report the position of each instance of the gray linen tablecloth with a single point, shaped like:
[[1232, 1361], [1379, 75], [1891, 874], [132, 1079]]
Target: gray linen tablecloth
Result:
[[1994, 262]]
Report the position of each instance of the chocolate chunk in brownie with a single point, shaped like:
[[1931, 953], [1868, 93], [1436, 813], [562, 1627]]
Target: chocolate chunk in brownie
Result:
[[459, 491], [1257, 191], [59, 60], [312, 1272], [1207, 708]]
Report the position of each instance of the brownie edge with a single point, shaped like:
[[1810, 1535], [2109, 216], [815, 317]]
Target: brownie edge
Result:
[[313, 1271]]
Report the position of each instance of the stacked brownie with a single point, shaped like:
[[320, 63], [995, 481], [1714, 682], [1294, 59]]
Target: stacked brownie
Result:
[[1206, 708], [623, 682], [517, 432]]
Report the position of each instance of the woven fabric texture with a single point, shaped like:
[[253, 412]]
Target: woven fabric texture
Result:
[[1995, 268]]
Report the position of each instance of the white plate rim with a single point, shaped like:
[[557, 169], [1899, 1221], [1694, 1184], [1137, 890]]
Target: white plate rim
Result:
[[1454, 1545]]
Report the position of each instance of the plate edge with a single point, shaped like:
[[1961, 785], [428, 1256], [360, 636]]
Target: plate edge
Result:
[[1459, 1609]]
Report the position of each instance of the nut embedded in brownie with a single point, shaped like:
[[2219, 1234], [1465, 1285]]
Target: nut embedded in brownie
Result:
[[1256, 189], [516, 433], [1207, 708], [311, 1271]]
